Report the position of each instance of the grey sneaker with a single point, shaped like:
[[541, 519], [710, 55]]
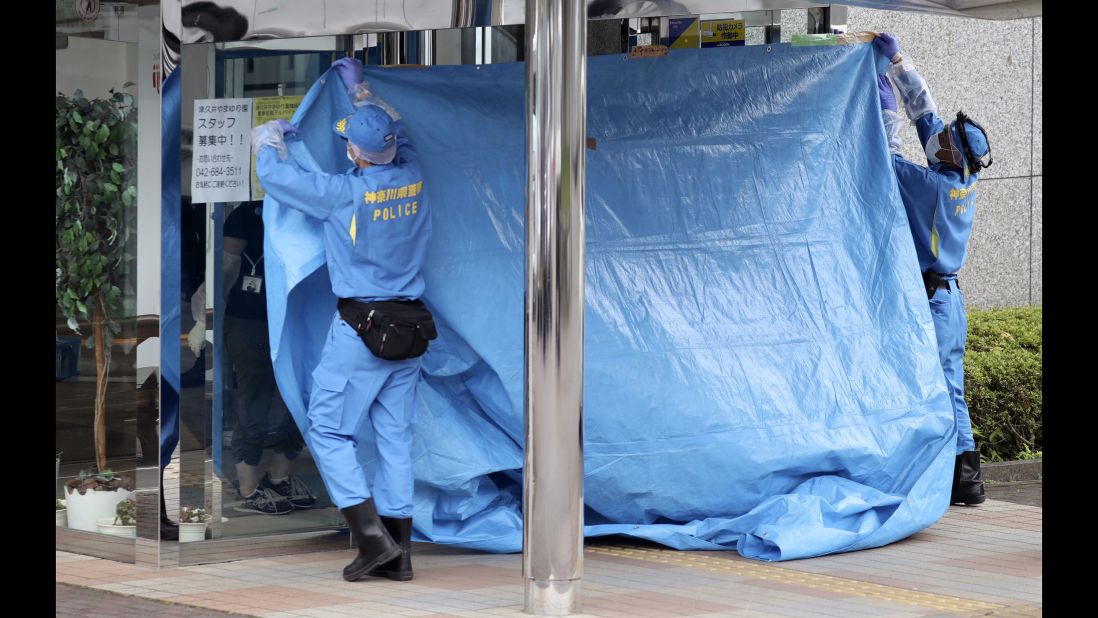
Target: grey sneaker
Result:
[[292, 489], [266, 501]]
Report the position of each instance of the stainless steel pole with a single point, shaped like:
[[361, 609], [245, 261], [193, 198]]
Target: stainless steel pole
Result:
[[556, 103]]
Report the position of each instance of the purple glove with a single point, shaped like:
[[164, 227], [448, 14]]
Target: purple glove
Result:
[[287, 128], [834, 31], [350, 71], [884, 88], [887, 45]]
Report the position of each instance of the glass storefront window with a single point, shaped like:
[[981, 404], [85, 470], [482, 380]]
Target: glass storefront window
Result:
[[161, 322], [106, 272], [241, 454]]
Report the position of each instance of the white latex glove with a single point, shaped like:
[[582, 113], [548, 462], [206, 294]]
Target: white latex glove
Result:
[[269, 134], [196, 339]]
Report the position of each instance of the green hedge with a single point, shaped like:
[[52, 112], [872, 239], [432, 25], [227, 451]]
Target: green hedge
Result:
[[1003, 382]]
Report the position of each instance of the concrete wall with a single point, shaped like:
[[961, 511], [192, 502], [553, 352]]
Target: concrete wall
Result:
[[992, 71]]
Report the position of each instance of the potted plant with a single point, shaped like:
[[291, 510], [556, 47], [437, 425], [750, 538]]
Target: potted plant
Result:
[[192, 524], [96, 166], [92, 496], [60, 509], [124, 522]]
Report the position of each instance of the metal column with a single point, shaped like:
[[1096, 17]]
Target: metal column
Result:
[[393, 47], [427, 47], [401, 47], [556, 101]]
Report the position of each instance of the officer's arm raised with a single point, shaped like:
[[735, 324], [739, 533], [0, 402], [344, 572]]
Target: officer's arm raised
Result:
[[314, 193]]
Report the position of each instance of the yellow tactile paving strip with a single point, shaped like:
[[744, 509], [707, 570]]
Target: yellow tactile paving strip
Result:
[[830, 583]]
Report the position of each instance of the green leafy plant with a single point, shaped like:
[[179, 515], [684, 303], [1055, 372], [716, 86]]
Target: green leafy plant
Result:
[[96, 167], [126, 513], [193, 515], [104, 480], [1003, 372], [1028, 454], [60, 504]]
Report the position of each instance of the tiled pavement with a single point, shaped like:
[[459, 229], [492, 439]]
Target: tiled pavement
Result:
[[974, 561]]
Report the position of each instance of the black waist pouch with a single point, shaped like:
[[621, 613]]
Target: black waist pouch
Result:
[[391, 329]]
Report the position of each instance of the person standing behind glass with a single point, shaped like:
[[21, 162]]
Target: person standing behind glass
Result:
[[249, 351]]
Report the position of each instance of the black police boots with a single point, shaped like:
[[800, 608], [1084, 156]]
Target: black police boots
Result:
[[375, 546], [968, 488], [398, 569]]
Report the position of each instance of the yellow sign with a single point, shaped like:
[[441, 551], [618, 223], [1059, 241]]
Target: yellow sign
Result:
[[722, 33], [265, 109]]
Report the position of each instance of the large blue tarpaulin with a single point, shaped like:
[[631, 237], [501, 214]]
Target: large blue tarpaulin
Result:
[[761, 371]]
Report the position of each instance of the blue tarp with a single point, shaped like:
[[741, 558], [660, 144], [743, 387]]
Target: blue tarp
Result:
[[761, 371]]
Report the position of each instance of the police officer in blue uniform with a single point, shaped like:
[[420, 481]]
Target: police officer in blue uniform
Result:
[[376, 225], [940, 200]]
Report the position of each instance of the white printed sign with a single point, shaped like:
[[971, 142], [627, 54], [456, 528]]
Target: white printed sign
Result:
[[221, 155]]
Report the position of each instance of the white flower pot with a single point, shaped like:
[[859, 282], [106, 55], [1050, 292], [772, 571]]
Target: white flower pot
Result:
[[84, 511], [106, 526], [62, 520], [192, 531]]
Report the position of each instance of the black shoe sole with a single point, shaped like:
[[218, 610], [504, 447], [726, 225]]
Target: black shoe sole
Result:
[[364, 571], [397, 576], [969, 501]]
